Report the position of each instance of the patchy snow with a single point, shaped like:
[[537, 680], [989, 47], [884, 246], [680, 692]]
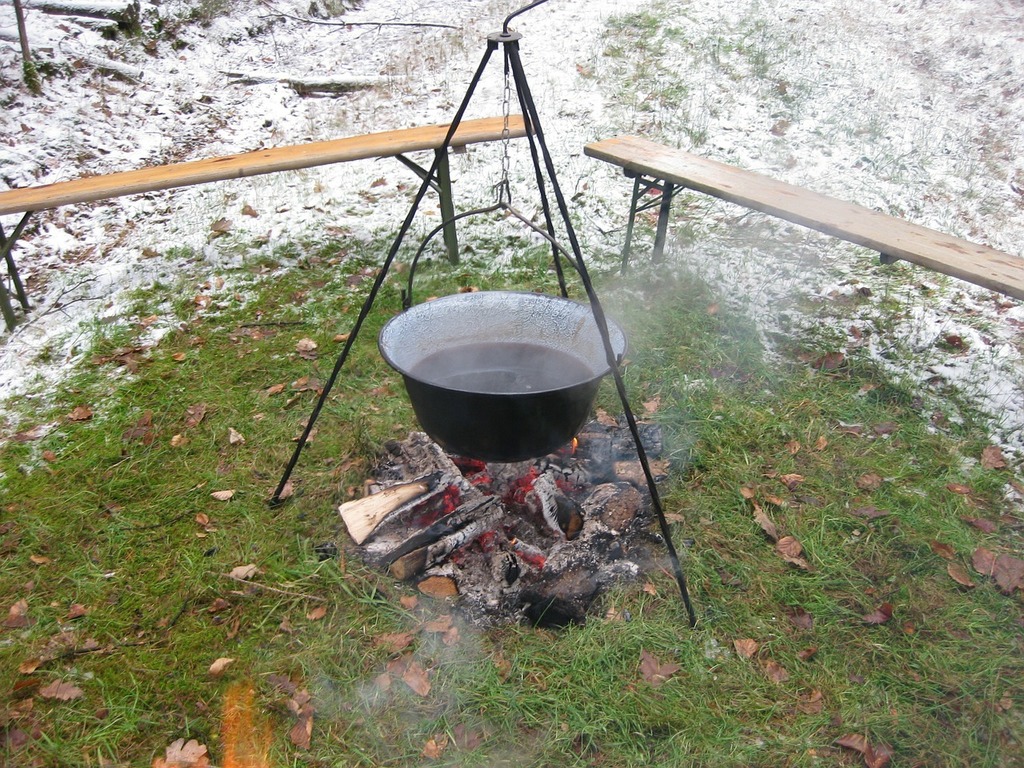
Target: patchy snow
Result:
[[911, 108]]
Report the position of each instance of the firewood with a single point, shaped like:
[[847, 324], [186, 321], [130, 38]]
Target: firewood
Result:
[[362, 516]]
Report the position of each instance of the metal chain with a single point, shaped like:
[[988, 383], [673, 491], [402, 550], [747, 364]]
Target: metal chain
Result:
[[504, 189]]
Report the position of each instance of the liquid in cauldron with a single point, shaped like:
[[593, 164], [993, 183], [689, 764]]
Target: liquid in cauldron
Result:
[[503, 368]]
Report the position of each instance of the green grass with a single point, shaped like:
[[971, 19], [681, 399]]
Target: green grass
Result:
[[115, 514]]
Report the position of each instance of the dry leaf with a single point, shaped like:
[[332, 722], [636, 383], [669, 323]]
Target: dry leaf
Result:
[[943, 550], [792, 480], [306, 349], [178, 441], [35, 433], [76, 611], [276, 389], [415, 676], [221, 226], [218, 667], [789, 549], [1009, 573], [248, 210], [194, 414], [438, 587], [801, 618], [960, 488], [235, 437], [766, 523], [222, 495], [655, 671], [39, 559], [394, 642], [244, 572], [984, 561], [869, 512], [880, 615], [807, 653], [992, 458], [874, 757], [29, 666], [959, 574], [651, 406], [17, 616], [302, 732], [745, 648], [811, 704], [317, 613], [80, 413], [775, 671], [435, 747], [61, 691], [183, 754], [869, 482], [981, 524]]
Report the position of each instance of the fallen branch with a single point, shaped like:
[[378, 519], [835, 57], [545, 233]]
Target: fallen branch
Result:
[[318, 22], [301, 84], [268, 588]]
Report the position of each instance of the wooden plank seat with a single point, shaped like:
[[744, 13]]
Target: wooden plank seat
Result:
[[395, 143], [656, 166]]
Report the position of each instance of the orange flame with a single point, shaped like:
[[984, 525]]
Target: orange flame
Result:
[[246, 735]]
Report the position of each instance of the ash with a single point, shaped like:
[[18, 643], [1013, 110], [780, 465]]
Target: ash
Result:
[[531, 542]]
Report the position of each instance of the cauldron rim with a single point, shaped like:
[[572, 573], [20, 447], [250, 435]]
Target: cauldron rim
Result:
[[599, 366]]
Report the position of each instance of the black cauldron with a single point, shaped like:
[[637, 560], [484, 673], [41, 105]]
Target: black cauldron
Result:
[[500, 375]]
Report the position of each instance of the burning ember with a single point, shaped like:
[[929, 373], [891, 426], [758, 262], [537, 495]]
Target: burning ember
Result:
[[532, 541]]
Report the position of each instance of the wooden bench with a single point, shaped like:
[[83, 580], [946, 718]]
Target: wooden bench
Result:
[[657, 167], [397, 144]]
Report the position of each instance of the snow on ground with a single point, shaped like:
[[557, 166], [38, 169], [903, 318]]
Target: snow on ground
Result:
[[914, 109]]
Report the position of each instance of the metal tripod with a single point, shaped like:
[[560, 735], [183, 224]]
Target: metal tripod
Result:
[[542, 163]]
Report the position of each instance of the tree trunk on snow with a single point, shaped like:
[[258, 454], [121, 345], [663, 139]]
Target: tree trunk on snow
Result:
[[28, 67], [126, 13]]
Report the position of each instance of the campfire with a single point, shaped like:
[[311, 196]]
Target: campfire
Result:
[[534, 541]]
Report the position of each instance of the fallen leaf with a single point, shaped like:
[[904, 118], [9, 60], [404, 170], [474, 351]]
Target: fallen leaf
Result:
[[35, 433], [76, 611], [306, 349], [774, 671], [801, 618], [393, 642], [830, 361], [408, 601], [792, 480], [943, 550], [811, 704], [302, 732], [885, 428], [39, 559], [963, 490], [1009, 573], [80, 413], [869, 482], [651, 406], [869, 512], [874, 757], [745, 648], [218, 667], [248, 210], [807, 653], [654, 671], [317, 613], [959, 574], [17, 616], [183, 754], [222, 495], [880, 615], [29, 666], [765, 522], [435, 747], [178, 441], [244, 572], [793, 447], [61, 691], [789, 549], [235, 437], [416, 677], [981, 524], [194, 414], [984, 561], [276, 389], [603, 417], [221, 226], [141, 430], [992, 458]]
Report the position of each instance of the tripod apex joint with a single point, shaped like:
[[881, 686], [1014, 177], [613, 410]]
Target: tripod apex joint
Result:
[[505, 36]]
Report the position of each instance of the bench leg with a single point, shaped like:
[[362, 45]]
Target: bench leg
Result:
[[6, 246], [629, 225], [444, 192], [659, 236]]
